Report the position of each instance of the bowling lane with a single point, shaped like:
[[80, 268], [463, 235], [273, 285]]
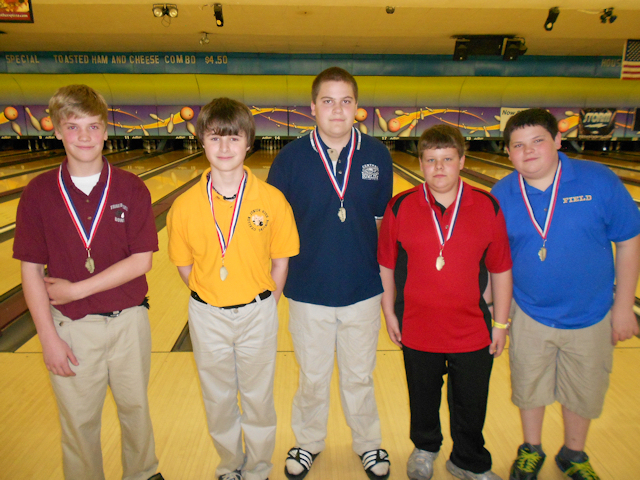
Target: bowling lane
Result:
[[32, 169], [27, 166], [611, 159]]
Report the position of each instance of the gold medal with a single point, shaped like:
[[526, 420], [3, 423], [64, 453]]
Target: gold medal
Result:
[[439, 262], [223, 273], [342, 214], [542, 253], [90, 265]]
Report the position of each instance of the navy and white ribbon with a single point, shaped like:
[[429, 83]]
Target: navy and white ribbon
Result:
[[328, 167], [234, 217], [86, 237], [454, 215], [552, 203]]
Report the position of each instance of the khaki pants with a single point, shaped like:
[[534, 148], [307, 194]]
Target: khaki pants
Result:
[[317, 331], [235, 351], [114, 352]]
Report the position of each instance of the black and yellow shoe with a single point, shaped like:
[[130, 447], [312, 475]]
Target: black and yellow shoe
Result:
[[528, 463], [581, 470]]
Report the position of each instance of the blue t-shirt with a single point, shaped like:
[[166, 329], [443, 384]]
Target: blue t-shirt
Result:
[[573, 287], [337, 264]]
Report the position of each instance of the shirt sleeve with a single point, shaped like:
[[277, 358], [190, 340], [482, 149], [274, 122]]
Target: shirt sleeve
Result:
[[29, 244], [498, 258], [386, 183], [622, 217], [284, 238], [141, 227], [179, 250], [279, 173], [388, 240]]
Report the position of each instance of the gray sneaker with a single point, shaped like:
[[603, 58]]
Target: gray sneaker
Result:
[[420, 464], [467, 475]]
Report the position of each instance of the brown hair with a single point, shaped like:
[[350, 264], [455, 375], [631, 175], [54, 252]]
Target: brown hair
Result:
[[77, 101], [441, 136], [533, 117], [224, 116], [333, 74]]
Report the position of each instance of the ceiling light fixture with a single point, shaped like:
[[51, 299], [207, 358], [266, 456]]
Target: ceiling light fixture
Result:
[[205, 39], [217, 12], [551, 18], [607, 14]]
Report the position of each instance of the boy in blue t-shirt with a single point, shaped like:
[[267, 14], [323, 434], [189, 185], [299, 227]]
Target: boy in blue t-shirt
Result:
[[562, 215]]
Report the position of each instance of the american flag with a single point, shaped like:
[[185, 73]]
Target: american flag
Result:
[[631, 61]]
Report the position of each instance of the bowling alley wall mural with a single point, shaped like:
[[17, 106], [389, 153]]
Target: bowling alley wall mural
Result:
[[395, 123]]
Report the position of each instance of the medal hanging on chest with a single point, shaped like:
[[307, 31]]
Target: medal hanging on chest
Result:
[[543, 232], [224, 273], [86, 237], [342, 211], [436, 224]]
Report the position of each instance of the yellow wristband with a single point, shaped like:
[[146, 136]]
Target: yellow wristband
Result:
[[501, 326]]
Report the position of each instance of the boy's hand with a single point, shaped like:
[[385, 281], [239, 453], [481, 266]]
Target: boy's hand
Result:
[[499, 336], [624, 323], [393, 328], [60, 291], [56, 355]]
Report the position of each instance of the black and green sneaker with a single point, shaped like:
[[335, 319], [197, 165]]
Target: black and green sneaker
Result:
[[527, 464], [577, 470]]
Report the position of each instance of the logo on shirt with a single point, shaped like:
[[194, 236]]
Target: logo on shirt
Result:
[[579, 198], [370, 172], [118, 211], [258, 220]]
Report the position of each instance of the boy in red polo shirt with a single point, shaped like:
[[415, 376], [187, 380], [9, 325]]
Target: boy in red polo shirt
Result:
[[437, 242], [92, 225]]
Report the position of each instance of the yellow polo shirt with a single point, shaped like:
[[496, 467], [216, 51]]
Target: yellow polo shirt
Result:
[[266, 229]]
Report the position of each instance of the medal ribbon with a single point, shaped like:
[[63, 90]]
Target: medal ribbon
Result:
[[552, 202], [327, 165], [454, 215], [234, 217], [86, 238]]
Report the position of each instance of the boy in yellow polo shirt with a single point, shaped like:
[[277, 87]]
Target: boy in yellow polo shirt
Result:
[[231, 236]]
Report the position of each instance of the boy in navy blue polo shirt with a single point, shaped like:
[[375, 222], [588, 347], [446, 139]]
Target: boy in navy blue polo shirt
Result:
[[437, 242], [338, 182], [562, 215]]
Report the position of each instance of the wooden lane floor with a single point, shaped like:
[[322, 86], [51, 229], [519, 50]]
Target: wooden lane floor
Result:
[[17, 180], [159, 186], [27, 164], [611, 159], [30, 427]]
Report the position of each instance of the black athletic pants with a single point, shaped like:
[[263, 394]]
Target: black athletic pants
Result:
[[467, 391]]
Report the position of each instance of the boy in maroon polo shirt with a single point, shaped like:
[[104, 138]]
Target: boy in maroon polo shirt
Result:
[[92, 225], [437, 242]]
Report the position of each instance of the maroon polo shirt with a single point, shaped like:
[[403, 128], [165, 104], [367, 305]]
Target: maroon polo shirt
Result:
[[443, 311], [45, 234]]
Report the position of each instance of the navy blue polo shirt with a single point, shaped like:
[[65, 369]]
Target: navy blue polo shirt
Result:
[[573, 287], [337, 264]]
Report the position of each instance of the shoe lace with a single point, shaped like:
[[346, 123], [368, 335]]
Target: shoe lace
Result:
[[585, 469], [527, 461]]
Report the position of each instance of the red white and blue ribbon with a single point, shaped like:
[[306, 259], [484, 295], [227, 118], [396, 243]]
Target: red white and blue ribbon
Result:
[[327, 165], [234, 217], [454, 215], [552, 203], [86, 237]]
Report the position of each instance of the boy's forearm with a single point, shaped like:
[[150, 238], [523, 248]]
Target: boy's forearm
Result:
[[117, 274], [502, 289], [627, 269], [279, 272], [184, 272]]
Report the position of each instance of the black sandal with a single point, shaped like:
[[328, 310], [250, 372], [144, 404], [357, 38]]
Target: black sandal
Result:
[[304, 458], [372, 458]]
